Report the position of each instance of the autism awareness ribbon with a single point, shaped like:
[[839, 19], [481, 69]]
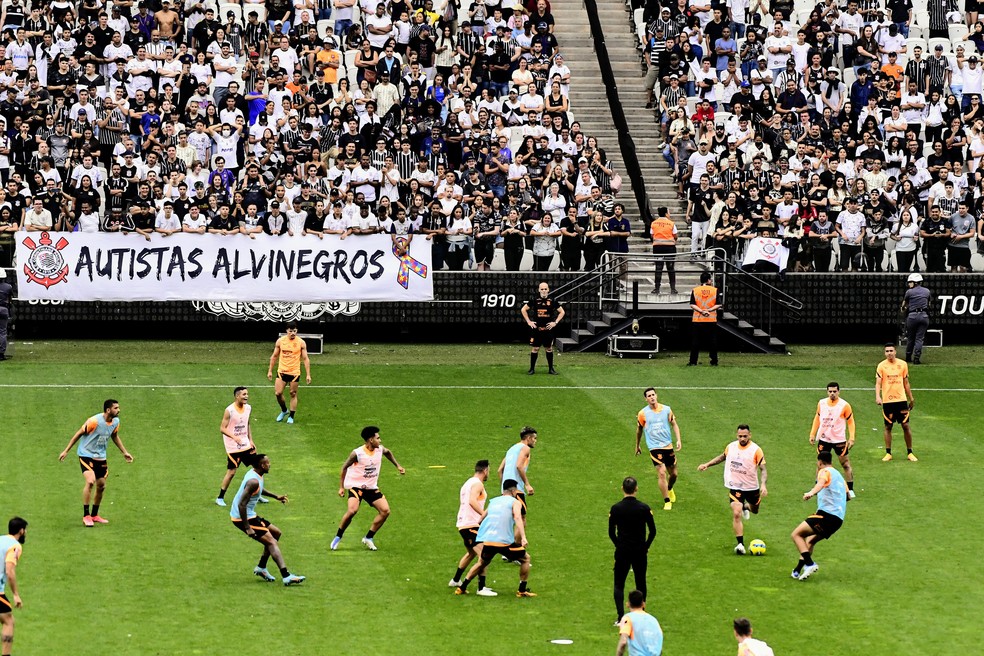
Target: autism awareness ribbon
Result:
[[407, 263]]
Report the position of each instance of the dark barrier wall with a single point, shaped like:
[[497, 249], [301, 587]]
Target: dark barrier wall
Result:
[[844, 307], [851, 300], [459, 299]]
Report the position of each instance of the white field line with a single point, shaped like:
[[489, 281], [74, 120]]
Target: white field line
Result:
[[561, 388]]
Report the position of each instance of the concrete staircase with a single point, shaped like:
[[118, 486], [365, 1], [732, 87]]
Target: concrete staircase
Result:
[[589, 104]]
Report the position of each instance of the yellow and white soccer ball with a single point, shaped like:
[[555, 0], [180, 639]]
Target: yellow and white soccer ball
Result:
[[757, 548]]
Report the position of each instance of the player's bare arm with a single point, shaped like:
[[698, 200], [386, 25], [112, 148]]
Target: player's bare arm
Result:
[[676, 430], [282, 498], [908, 392], [764, 491], [75, 438], [224, 426], [11, 569], [307, 364], [475, 501], [389, 456], [502, 468], [273, 361], [711, 463], [119, 445], [522, 464], [878, 382], [638, 449], [348, 463], [518, 518], [525, 311], [248, 490]]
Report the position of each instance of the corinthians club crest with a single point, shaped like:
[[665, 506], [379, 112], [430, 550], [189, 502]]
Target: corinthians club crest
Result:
[[46, 265], [277, 311]]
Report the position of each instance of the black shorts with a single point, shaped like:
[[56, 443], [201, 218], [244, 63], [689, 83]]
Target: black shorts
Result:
[[541, 337], [521, 496], [258, 524], [664, 250], [484, 250], [98, 467], [896, 412], [511, 551], [663, 457], [5, 605], [289, 378], [958, 256], [233, 460], [824, 524], [840, 448], [751, 497], [468, 536], [369, 496]]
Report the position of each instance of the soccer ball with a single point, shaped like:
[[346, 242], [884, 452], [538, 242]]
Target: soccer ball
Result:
[[757, 548]]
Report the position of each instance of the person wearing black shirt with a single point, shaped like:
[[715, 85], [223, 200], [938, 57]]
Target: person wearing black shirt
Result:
[[6, 293], [434, 224], [547, 313], [632, 529]]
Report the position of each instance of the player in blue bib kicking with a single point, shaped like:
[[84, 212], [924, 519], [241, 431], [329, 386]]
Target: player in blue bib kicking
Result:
[[831, 493]]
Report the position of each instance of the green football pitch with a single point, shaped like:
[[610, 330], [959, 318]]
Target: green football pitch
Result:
[[170, 575]]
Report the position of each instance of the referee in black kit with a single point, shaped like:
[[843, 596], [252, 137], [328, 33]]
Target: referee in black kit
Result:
[[628, 522], [546, 314]]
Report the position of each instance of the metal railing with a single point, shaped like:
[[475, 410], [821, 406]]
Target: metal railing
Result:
[[771, 304]]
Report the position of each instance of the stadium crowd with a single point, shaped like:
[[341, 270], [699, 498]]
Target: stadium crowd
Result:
[[853, 130], [300, 117]]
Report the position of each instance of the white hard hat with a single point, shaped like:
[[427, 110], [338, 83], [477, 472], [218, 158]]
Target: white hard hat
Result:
[[915, 277]]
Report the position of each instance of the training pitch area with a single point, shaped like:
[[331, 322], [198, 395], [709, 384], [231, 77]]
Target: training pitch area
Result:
[[171, 575]]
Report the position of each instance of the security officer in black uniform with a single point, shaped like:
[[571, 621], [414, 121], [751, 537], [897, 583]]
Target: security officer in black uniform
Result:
[[916, 306], [547, 313], [6, 292], [632, 529]]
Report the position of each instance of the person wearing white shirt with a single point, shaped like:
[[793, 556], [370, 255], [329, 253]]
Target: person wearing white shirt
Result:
[[167, 222], [115, 50], [889, 40], [38, 218], [761, 76], [850, 230], [379, 26], [849, 26], [87, 168], [705, 79], [778, 48], [801, 51], [288, 57], [334, 223], [141, 72], [195, 222], [82, 105], [88, 220], [914, 107], [895, 125], [225, 68], [168, 70], [973, 76], [366, 179]]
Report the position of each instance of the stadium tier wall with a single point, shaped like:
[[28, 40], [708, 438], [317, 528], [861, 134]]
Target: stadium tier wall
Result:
[[470, 307]]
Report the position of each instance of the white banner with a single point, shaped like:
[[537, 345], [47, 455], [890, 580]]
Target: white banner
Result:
[[769, 249], [191, 267]]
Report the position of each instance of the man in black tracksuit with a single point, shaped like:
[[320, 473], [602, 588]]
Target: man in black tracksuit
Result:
[[632, 529]]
